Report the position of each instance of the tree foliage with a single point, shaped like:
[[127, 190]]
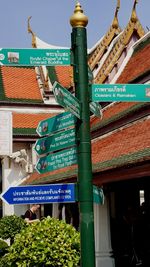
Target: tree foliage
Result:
[[3, 248], [10, 226], [49, 242]]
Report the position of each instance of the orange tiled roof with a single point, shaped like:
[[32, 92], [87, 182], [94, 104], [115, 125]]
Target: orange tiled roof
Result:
[[29, 120], [20, 83], [126, 141], [137, 65], [64, 74], [36, 176], [112, 110]]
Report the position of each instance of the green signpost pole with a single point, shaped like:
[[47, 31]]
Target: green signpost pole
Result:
[[79, 54]]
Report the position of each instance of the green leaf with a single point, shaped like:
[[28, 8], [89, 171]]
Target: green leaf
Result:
[[49, 243]]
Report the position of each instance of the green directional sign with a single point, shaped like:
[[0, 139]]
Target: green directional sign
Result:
[[56, 123], [95, 108], [55, 142], [98, 195], [34, 57], [120, 92], [57, 160], [66, 99], [90, 75]]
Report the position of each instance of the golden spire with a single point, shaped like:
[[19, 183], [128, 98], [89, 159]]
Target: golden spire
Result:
[[46, 85], [33, 35], [133, 15], [78, 19], [115, 23]]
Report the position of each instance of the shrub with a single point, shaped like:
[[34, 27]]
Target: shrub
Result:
[[4, 261], [49, 242], [10, 226], [3, 248]]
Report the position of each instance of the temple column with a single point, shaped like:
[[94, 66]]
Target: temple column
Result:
[[6, 183], [55, 210], [103, 250]]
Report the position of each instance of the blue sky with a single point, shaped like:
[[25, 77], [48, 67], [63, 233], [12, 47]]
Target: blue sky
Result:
[[50, 20]]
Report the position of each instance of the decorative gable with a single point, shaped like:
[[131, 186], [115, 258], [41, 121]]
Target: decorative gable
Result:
[[101, 47], [133, 30]]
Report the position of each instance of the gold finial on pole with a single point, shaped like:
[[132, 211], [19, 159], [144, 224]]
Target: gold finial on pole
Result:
[[30, 31], [133, 15], [78, 19], [115, 23]]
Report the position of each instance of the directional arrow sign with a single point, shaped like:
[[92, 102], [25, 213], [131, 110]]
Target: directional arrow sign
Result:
[[57, 160], [56, 123], [95, 108], [34, 57], [67, 100], [120, 92], [39, 194], [55, 142]]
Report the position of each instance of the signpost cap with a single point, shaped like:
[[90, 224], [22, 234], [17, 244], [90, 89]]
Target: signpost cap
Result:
[[78, 19]]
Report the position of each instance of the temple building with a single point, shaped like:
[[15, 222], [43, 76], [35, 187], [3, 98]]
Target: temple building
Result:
[[120, 137]]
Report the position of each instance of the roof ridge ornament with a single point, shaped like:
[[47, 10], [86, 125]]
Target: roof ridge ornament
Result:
[[33, 34], [134, 15], [78, 19], [115, 23]]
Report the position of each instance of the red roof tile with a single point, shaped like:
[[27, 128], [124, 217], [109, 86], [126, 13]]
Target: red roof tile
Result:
[[36, 176], [112, 110], [20, 83], [24, 120], [137, 65], [126, 141], [64, 74]]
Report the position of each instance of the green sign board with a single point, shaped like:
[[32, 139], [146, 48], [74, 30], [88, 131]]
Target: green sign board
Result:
[[95, 108], [90, 75], [66, 99], [34, 57], [98, 195], [57, 160], [120, 92], [56, 123], [55, 142]]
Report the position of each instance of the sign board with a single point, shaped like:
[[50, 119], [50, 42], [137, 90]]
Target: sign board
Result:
[[57, 160], [56, 123], [98, 195], [95, 108], [66, 99], [34, 57], [55, 142], [51, 193], [120, 92], [90, 75], [5, 133]]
